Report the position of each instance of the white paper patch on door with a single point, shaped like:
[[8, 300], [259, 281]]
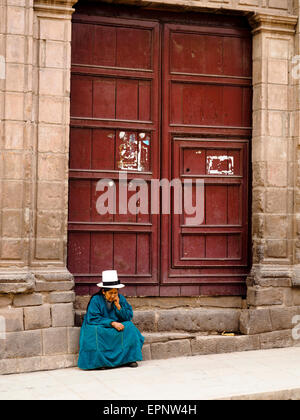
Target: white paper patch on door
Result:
[[220, 165]]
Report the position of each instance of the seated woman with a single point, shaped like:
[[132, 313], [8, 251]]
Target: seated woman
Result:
[[108, 338]]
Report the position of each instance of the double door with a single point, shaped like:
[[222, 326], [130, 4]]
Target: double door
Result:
[[152, 99]]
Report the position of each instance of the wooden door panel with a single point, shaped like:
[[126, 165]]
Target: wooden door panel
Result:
[[114, 129], [217, 239], [207, 92], [201, 53], [199, 104], [112, 44], [108, 98]]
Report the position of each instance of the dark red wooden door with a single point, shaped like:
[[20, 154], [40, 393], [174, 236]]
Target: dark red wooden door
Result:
[[206, 128], [132, 75], [114, 128]]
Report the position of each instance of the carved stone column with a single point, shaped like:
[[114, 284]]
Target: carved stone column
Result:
[[273, 157], [36, 289], [52, 36]]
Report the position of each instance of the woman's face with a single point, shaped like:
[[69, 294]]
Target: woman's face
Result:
[[110, 294]]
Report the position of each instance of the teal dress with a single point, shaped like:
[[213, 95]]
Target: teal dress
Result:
[[101, 345]]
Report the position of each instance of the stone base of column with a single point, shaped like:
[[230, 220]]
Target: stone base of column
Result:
[[37, 320], [270, 285]]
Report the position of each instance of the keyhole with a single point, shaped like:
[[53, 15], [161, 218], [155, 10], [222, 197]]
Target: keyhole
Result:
[[187, 170]]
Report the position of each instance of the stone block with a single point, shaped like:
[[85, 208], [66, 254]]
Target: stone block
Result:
[[277, 174], [15, 48], [163, 337], [8, 366], [21, 344], [15, 20], [79, 317], [275, 282], [276, 227], [14, 106], [258, 225], [15, 77], [73, 339], [145, 320], [258, 200], [52, 140], [14, 139], [282, 318], [49, 249], [12, 249], [49, 223], [50, 196], [276, 339], [276, 148], [62, 315], [61, 297], [275, 123], [28, 364], [61, 361], [55, 341], [276, 200], [221, 301], [48, 275], [32, 299], [81, 302], [51, 82], [37, 317], [247, 342], [264, 296], [51, 110], [255, 321], [12, 223], [55, 54], [13, 319], [279, 4], [204, 345], [5, 300], [175, 348], [51, 167], [199, 320], [277, 97], [12, 194], [277, 249], [146, 352], [278, 71], [52, 29], [296, 297], [45, 286], [226, 344]]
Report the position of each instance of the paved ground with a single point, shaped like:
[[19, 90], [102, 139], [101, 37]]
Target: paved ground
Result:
[[256, 374]]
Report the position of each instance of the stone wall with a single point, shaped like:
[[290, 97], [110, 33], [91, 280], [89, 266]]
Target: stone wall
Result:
[[36, 289]]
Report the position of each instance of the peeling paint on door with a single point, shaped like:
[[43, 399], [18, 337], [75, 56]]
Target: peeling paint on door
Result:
[[134, 151], [220, 165]]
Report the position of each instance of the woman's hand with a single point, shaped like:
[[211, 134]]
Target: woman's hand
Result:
[[117, 302], [117, 325]]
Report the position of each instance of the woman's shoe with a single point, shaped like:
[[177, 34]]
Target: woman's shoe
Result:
[[133, 364]]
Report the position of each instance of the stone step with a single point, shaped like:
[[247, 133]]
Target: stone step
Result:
[[201, 331], [165, 345], [193, 320]]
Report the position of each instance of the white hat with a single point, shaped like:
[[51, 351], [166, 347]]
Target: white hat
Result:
[[110, 280]]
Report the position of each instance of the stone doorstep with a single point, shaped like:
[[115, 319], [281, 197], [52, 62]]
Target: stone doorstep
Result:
[[162, 345], [193, 320], [172, 344]]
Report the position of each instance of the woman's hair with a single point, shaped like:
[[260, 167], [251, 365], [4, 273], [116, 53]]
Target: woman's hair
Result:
[[100, 292]]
